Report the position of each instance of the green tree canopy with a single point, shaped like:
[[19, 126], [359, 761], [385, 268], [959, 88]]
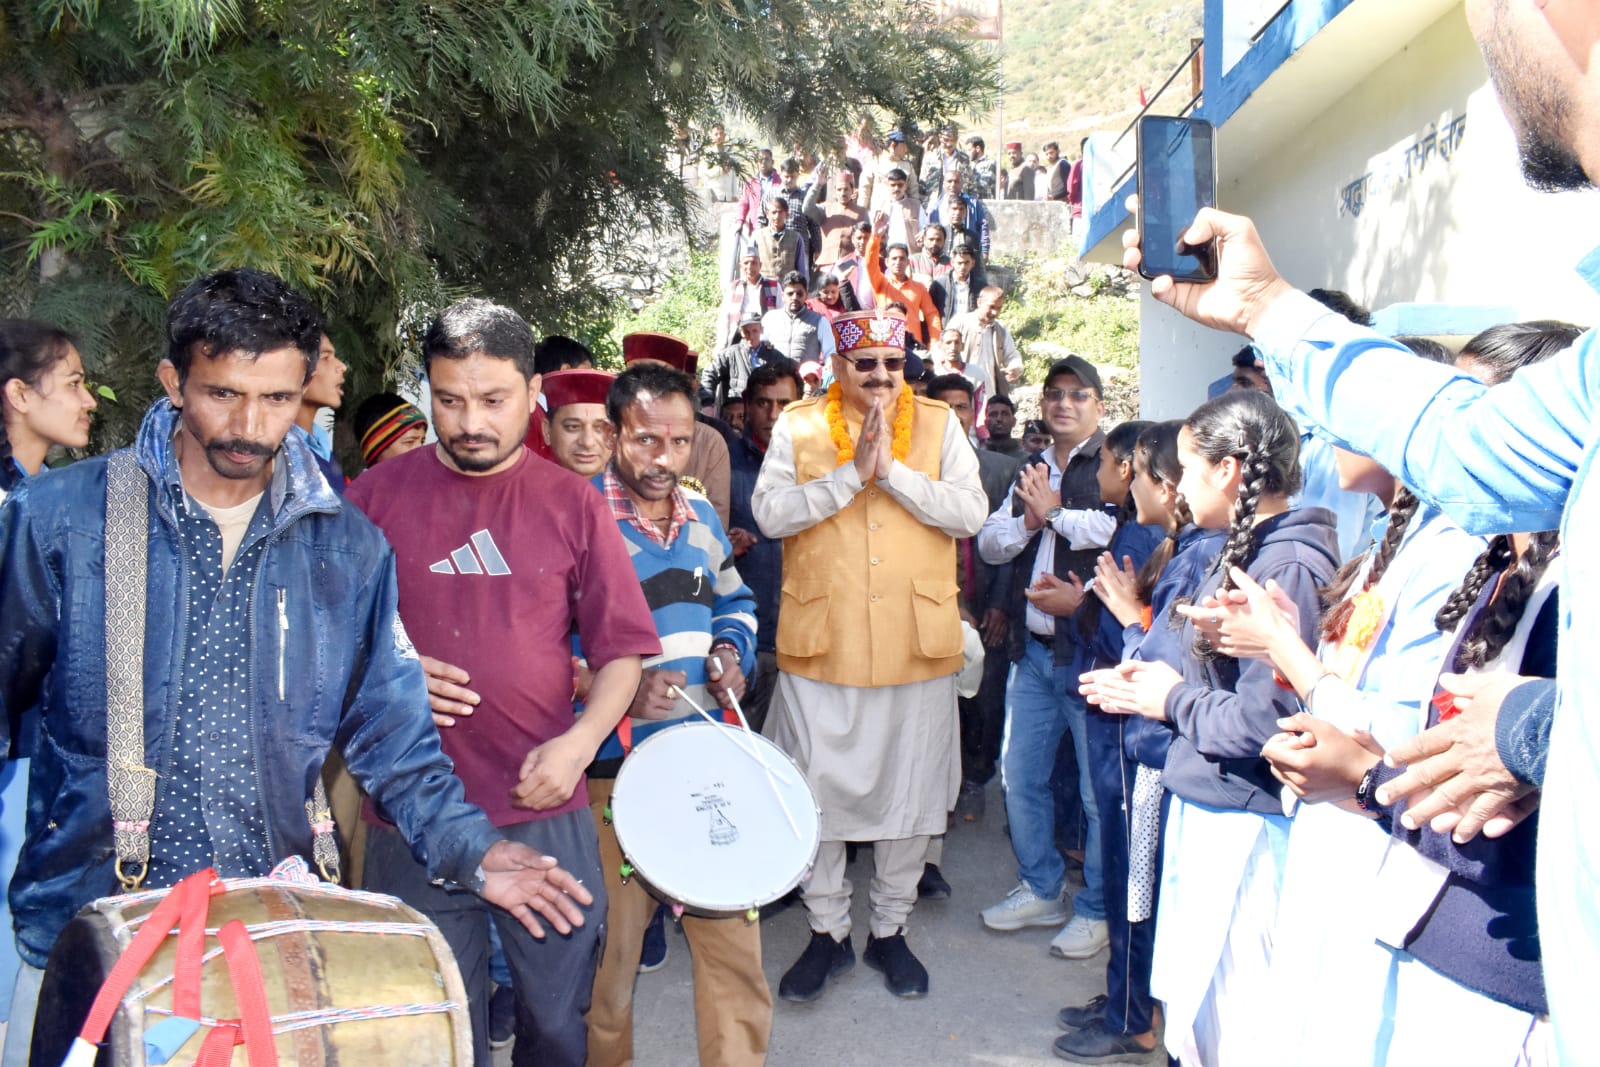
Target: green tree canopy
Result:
[[388, 156]]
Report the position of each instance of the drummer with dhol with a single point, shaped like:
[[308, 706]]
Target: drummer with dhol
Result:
[[705, 617], [870, 486]]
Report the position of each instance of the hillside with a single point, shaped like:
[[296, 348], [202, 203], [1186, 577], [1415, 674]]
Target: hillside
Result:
[[1075, 66]]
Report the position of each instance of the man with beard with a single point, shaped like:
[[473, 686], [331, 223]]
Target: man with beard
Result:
[[943, 159], [578, 429], [985, 170], [705, 619], [797, 332], [275, 604], [930, 260], [868, 487], [1057, 173], [1000, 419], [509, 555]]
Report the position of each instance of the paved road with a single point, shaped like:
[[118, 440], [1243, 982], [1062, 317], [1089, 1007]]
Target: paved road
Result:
[[992, 1001]]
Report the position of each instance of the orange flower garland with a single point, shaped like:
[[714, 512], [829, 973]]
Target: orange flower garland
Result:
[[1365, 619], [899, 444]]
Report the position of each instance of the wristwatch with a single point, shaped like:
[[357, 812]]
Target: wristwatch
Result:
[[1053, 514]]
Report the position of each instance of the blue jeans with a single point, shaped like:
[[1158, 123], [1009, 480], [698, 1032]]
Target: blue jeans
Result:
[[1042, 703]]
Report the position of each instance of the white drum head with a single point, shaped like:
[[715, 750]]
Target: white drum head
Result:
[[701, 821]]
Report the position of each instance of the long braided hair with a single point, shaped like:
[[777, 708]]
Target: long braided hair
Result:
[[28, 350], [1337, 602], [1250, 427], [1496, 354], [1158, 449], [1494, 625]]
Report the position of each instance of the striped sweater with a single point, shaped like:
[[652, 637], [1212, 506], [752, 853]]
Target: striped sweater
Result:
[[696, 599]]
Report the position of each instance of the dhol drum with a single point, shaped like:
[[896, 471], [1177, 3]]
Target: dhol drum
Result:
[[716, 824], [349, 977]]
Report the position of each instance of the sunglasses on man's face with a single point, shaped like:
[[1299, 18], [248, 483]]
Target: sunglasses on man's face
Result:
[[892, 364]]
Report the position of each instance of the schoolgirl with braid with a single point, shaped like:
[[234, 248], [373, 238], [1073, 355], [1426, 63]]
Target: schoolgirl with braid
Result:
[[1225, 828], [1120, 1023], [1137, 624], [1398, 943]]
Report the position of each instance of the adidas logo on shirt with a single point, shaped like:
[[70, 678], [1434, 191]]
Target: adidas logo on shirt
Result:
[[480, 555]]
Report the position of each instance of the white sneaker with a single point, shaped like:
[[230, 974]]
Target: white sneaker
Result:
[[1023, 908], [1081, 938]]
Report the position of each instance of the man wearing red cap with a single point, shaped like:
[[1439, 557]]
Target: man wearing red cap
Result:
[[577, 428], [709, 471], [869, 487]]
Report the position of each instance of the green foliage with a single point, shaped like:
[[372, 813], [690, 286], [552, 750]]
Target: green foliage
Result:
[[1052, 309], [390, 157], [686, 307], [1072, 66]]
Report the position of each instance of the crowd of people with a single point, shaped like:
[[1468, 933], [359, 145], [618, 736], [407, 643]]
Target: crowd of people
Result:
[[1287, 696]]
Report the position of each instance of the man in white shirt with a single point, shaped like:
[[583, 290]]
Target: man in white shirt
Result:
[[1051, 530]]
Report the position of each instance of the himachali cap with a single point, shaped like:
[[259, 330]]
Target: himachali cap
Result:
[[662, 346], [582, 386], [859, 331], [1013, 144]]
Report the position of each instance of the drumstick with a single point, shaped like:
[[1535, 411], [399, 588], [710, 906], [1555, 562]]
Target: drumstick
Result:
[[748, 749], [739, 711], [755, 754]]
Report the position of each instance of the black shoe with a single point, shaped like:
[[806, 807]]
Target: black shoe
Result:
[[903, 973], [970, 802], [1076, 1018], [932, 885], [502, 1016], [653, 950], [1095, 1043], [824, 958]]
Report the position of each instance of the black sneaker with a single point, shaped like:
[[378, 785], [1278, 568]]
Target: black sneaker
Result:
[[824, 958], [932, 885], [1076, 1018], [903, 973], [502, 1016], [1094, 1043]]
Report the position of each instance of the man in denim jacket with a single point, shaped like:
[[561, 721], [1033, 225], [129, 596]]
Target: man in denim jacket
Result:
[[271, 636]]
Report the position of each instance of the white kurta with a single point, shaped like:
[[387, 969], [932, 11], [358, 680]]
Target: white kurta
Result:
[[884, 763]]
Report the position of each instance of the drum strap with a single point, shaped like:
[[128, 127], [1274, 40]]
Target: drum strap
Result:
[[186, 907], [132, 785]]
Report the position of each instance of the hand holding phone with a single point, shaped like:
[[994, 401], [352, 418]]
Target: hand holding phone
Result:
[[1177, 176]]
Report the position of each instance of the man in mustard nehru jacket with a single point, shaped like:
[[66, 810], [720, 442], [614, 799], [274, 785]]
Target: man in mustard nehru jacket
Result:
[[869, 486]]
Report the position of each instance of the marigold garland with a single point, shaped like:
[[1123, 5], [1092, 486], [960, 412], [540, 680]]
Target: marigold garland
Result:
[[899, 443], [1365, 619]]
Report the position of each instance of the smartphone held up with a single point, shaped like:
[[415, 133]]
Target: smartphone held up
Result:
[[1177, 176]]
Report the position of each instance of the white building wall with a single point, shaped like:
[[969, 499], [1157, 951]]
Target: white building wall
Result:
[[1458, 230]]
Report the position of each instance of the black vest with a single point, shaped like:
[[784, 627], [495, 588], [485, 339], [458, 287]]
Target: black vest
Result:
[[1080, 491]]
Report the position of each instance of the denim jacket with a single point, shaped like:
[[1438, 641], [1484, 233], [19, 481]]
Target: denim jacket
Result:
[[330, 663], [1515, 457]]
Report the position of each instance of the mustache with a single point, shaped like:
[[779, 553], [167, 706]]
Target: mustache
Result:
[[241, 447], [473, 439]]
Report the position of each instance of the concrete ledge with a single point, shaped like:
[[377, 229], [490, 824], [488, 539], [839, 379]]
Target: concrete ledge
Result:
[[1020, 227]]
